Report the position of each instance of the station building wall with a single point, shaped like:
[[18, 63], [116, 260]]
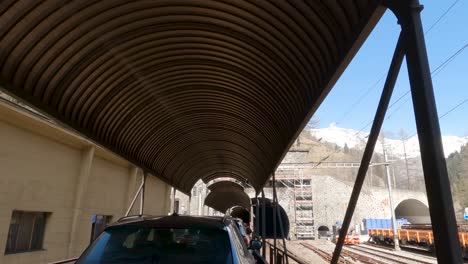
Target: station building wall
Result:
[[44, 168]]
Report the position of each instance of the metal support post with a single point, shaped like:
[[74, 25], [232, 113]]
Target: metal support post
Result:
[[134, 198], [372, 139], [142, 194], [263, 225], [271, 253], [251, 214], [173, 200], [430, 140], [390, 198], [275, 251], [275, 198], [257, 219], [406, 165], [189, 205]]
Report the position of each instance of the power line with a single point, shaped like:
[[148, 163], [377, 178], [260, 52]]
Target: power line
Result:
[[437, 70], [447, 112], [349, 110], [440, 18], [374, 85], [398, 99], [448, 61], [397, 109], [453, 108], [434, 73]]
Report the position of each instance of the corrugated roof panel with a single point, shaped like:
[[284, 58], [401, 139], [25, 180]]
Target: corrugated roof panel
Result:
[[186, 90]]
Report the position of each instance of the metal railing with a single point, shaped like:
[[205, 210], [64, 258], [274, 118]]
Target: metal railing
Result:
[[281, 256]]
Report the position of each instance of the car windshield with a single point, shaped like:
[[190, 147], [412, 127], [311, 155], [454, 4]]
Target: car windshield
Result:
[[136, 244]]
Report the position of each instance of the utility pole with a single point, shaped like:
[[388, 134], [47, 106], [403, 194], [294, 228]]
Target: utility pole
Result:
[[390, 197], [404, 137]]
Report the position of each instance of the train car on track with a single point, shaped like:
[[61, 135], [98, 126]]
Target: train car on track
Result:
[[419, 236], [352, 240]]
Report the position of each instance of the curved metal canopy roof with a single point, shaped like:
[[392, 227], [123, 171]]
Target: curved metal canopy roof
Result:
[[226, 194], [187, 90], [225, 185]]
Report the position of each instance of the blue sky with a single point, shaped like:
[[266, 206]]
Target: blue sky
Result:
[[361, 78]]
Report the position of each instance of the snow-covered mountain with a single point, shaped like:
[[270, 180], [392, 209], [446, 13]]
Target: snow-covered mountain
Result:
[[356, 139]]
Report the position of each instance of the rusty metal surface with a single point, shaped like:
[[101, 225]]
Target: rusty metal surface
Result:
[[185, 89]]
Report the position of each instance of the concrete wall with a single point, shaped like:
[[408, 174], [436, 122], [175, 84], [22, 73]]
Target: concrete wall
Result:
[[44, 168], [330, 200]]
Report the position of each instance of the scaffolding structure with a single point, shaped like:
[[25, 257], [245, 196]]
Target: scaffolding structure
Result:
[[299, 190]]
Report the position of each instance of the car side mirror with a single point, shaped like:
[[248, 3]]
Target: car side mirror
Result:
[[255, 244]]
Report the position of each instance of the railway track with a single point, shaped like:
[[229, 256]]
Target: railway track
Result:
[[387, 256], [345, 256], [408, 248], [325, 255], [365, 255], [423, 253]]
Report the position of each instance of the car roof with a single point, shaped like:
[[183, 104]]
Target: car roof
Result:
[[174, 221]]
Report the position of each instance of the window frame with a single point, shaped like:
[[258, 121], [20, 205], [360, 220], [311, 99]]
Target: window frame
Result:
[[35, 233]]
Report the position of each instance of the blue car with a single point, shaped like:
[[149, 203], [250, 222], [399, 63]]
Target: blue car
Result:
[[170, 239]]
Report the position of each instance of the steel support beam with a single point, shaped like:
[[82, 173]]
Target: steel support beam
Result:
[[275, 199], [133, 184], [142, 193], [274, 217], [134, 199], [174, 191], [430, 140], [257, 218], [189, 204], [372, 139], [263, 225]]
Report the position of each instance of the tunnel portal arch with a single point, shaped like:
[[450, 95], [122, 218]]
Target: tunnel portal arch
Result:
[[414, 210], [240, 212], [323, 230]]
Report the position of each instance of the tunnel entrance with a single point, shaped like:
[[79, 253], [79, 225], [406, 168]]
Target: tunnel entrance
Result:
[[415, 211], [269, 229], [323, 231], [242, 213]]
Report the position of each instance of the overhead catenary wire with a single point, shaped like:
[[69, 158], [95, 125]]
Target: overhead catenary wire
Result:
[[453, 108], [448, 61], [434, 72], [447, 112], [359, 100], [382, 75], [441, 16]]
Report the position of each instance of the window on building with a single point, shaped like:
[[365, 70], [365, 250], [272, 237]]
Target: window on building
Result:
[[26, 231], [100, 222]]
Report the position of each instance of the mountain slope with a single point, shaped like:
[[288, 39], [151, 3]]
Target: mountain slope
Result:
[[356, 139]]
